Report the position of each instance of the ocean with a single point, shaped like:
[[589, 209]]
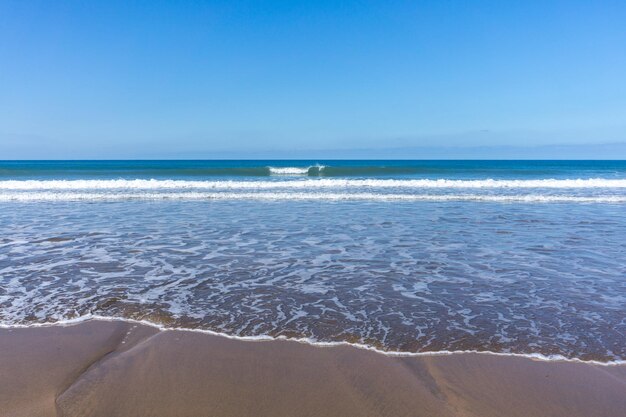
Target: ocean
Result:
[[404, 257]]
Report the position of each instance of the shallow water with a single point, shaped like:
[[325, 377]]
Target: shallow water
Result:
[[515, 263]]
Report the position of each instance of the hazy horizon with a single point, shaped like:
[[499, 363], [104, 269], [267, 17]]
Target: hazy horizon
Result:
[[608, 151]]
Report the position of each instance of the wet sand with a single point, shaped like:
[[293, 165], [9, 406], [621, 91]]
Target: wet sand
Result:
[[109, 368]]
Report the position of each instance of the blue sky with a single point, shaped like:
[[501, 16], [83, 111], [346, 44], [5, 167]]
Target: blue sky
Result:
[[165, 79]]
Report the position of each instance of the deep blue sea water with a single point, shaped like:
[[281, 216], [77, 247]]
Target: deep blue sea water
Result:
[[521, 257], [431, 169]]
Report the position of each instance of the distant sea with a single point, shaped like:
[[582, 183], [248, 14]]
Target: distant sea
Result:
[[406, 257]]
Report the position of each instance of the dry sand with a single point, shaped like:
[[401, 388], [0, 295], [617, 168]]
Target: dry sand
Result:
[[102, 368]]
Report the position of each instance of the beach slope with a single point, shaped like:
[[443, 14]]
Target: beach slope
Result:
[[106, 368]]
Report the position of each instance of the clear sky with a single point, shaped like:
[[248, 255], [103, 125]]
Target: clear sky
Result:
[[202, 79]]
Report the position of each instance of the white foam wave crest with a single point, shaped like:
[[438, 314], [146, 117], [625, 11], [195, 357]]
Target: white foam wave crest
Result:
[[289, 171], [153, 184], [313, 342], [278, 196], [293, 170]]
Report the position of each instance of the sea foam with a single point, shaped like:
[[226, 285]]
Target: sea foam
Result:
[[314, 342], [300, 196], [155, 184]]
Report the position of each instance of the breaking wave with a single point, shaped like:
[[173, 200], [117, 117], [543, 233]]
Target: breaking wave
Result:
[[154, 184], [310, 170]]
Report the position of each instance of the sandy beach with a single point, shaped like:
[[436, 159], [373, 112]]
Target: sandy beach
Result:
[[115, 368]]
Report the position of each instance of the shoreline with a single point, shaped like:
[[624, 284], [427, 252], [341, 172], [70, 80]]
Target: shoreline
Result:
[[315, 343], [117, 367]]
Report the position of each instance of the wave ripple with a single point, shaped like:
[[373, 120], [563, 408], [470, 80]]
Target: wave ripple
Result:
[[404, 277]]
